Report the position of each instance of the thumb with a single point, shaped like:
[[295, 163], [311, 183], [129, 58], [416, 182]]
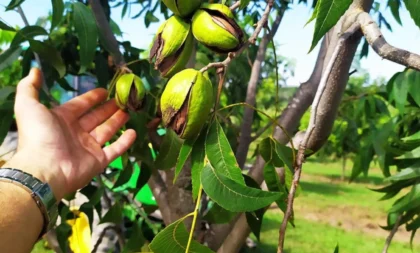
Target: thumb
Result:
[[28, 88]]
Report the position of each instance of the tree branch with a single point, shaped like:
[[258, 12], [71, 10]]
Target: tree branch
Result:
[[107, 33], [377, 41], [391, 234], [246, 127], [102, 235], [38, 61], [301, 152], [235, 5]]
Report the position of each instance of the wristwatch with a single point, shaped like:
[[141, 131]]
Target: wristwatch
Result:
[[40, 192]]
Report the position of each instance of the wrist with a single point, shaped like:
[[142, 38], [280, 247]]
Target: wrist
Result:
[[39, 167]]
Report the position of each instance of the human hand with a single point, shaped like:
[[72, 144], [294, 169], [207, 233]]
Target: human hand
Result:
[[63, 146]]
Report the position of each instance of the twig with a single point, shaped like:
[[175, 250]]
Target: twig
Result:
[[377, 41], [108, 204], [235, 6], [391, 234], [38, 60], [262, 130], [103, 23], [277, 74], [101, 237], [301, 152], [260, 24]]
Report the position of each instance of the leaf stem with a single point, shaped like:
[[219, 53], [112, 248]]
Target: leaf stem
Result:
[[277, 77], [194, 221]]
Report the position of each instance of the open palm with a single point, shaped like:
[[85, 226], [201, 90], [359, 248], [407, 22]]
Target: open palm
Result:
[[66, 143]]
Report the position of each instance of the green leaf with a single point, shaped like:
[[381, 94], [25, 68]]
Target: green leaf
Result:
[[328, 14], [124, 176], [57, 12], [413, 79], [414, 225], [65, 85], [220, 154], [413, 7], [49, 54], [174, 239], [6, 119], [87, 33], [337, 249], [243, 4], [395, 5], [280, 155], [27, 33], [150, 18], [8, 56], [6, 91], [63, 232], [198, 155], [365, 49], [233, 196], [413, 233], [169, 150], [274, 184], [28, 56], [114, 214], [254, 219], [102, 70], [218, 215], [405, 174], [414, 137], [13, 4], [136, 239], [314, 13], [267, 149], [184, 153], [87, 208], [410, 201], [4, 26]]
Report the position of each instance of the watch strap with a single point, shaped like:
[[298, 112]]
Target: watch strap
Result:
[[40, 192]]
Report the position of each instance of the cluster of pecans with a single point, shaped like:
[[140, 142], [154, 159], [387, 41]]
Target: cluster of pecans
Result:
[[188, 95]]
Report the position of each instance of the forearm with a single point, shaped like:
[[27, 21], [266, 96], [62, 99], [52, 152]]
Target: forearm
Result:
[[21, 220]]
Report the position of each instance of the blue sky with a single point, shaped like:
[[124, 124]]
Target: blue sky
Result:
[[293, 37]]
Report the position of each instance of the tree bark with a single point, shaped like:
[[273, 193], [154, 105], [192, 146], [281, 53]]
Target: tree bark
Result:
[[337, 80], [246, 128]]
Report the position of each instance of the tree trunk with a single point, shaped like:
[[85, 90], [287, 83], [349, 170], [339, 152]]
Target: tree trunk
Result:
[[343, 171], [246, 128]]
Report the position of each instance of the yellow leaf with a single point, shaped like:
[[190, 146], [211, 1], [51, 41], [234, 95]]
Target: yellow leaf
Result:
[[80, 240]]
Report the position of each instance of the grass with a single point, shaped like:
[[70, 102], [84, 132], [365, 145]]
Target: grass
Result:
[[330, 212]]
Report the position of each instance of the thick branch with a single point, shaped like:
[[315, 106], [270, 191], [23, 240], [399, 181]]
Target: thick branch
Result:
[[377, 41], [38, 61], [246, 128], [391, 234], [108, 35], [312, 123]]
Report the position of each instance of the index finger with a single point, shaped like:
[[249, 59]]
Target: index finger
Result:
[[84, 103]]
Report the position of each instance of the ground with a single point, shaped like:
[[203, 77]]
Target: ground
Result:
[[329, 212]]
